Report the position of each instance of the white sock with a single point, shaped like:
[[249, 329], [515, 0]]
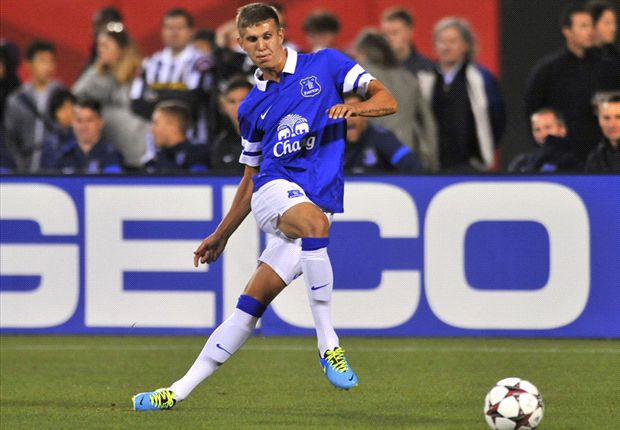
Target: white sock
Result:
[[317, 269], [221, 345]]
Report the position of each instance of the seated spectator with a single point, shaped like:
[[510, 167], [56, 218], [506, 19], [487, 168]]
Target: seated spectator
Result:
[[226, 148], [604, 18], [178, 72], [27, 123], [230, 59], [321, 28], [174, 152], [109, 81], [466, 100], [606, 157], [204, 41], [555, 153], [413, 124], [373, 149], [86, 152], [62, 105]]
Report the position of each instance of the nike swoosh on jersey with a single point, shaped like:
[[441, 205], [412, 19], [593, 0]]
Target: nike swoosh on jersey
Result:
[[264, 114], [319, 287]]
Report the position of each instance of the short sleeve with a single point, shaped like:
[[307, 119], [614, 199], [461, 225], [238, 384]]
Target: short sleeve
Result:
[[251, 140], [350, 76]]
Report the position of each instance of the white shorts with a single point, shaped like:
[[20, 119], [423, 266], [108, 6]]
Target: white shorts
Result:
[[268, 204]]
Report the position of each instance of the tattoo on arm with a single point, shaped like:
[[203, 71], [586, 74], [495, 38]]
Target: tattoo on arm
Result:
[[375, 111]]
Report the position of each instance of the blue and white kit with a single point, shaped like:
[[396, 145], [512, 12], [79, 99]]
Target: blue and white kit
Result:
[[286, 131]]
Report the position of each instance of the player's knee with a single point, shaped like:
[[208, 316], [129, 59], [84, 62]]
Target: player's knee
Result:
[[315, 225]]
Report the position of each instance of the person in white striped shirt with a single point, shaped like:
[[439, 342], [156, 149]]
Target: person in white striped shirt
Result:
[[177, 72]]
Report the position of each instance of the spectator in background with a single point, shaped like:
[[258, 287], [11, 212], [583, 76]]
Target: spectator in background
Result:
[[554, 152], [604, 18], [465, 98], [178, 72], [373, 149], [204, 41], [62, 105], [321, 28], [568, 79], [413, 124], [226, 149], [230, 59], [86, 152], [175, 153], [100, 21], [27, 123], [281, 10], [9, 81], [397, 26], [606, 157], [109, 81]]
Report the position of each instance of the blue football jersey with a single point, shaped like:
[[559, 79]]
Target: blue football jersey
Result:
[[285, 128]]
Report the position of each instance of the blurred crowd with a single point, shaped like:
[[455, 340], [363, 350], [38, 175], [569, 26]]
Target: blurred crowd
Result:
[[176, 111]]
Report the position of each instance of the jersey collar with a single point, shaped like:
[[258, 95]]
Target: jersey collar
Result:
[[289, 67]]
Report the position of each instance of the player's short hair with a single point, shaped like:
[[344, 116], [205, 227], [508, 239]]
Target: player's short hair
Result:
[[88, 103], [398, 14], [321, 21], [559, 117], [253, 13], [376, 48], [178, 12], [464, 29], [178, 111], [566, 16], [598, 7], [59, 98], [37, 46]]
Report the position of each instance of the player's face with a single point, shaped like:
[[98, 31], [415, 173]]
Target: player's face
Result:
[[546, 124], [397, 33], [263, 44], [176, 33], [87, 125], [450, 46], [609, 120], [581, 32], [605, 29]]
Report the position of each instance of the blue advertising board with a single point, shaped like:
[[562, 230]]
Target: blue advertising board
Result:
[[412, 256]]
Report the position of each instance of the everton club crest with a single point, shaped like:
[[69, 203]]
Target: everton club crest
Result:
[[310, 86]]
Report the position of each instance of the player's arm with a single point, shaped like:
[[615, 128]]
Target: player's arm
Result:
[[380, 102], [213, 245]]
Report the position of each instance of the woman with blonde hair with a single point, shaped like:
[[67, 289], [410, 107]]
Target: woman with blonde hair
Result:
[[109, 81]]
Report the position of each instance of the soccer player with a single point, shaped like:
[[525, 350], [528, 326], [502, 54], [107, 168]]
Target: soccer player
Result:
[[293, 129]]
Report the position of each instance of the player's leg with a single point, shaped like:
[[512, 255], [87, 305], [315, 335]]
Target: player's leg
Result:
[[311, 224], [262, 288]]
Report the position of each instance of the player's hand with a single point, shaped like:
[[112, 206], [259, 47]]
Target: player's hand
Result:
[[209, 249], [342, 111]]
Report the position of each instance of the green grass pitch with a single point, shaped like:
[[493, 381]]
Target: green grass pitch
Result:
[[70, 382]]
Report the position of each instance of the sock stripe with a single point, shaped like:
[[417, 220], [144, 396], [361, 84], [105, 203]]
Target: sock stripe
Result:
[[251, 306], [313, 243]]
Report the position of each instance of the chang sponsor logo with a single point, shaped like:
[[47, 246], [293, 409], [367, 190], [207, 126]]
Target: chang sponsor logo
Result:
[[292, 131]]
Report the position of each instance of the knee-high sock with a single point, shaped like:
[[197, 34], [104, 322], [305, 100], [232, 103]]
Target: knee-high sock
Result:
[[221, 345], [317, 269]]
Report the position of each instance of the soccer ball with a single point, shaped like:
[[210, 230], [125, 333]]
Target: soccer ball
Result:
[[513, 403]]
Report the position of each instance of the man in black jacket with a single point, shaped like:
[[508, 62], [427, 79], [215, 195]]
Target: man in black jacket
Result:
[[567, 80], [606, 157]]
